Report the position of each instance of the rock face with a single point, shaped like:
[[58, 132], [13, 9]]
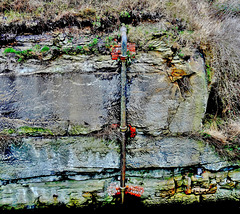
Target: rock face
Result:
[[61, 94], [84, 91], [39, 172], [59, 143], [37, 157], [162, 106]]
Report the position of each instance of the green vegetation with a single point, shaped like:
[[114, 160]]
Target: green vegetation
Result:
[[45, 49], [39, 52], [180, 54], [33, 131], [22, 55], [109, 41], [209, 73], [26, 130], [10, 50], [8, 131], [78, 130], [125, 14]]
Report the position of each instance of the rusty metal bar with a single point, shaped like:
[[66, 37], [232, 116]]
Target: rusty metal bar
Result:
[[123, 122], [123, 165]]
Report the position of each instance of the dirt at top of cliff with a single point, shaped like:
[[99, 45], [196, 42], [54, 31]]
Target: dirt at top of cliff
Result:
[[40, 16]]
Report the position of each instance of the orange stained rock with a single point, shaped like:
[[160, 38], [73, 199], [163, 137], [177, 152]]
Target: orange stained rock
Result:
[[177, 74]]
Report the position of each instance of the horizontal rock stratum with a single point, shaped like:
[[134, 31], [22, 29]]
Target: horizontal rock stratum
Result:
[[41, 169]]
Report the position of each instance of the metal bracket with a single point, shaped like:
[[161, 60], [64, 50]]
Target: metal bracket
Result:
[[116, 51], [123, 129], [114, 189]]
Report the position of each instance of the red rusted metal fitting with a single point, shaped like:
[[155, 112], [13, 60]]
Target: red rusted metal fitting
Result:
[[115, 189], [114, 126], [131, 48], [114, 56], [123, 58], [134, 190], [133, 131], [116, 51]]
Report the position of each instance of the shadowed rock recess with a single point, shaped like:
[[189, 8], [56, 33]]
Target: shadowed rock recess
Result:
[[58, 144]]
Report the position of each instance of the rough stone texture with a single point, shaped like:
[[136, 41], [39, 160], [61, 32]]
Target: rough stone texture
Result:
[[76, 169], [160, 105], [36, 157], [57, 98], [194, 105], [84, 91], [67, 106], [170, 152], [41, 157]]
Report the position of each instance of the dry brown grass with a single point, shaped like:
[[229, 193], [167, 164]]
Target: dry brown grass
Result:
[[216, 28], [226, 65], [224, 135]]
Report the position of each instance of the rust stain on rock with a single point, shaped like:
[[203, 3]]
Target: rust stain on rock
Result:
[[177, 74]]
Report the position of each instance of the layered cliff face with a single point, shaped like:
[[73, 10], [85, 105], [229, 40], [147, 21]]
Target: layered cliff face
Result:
[[59, 143], [83, 91]]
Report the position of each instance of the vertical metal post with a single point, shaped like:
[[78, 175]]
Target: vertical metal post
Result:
[[123, 123]]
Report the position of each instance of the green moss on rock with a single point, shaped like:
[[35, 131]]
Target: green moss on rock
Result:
[[33, 131], [78, 130], [8, 131]]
